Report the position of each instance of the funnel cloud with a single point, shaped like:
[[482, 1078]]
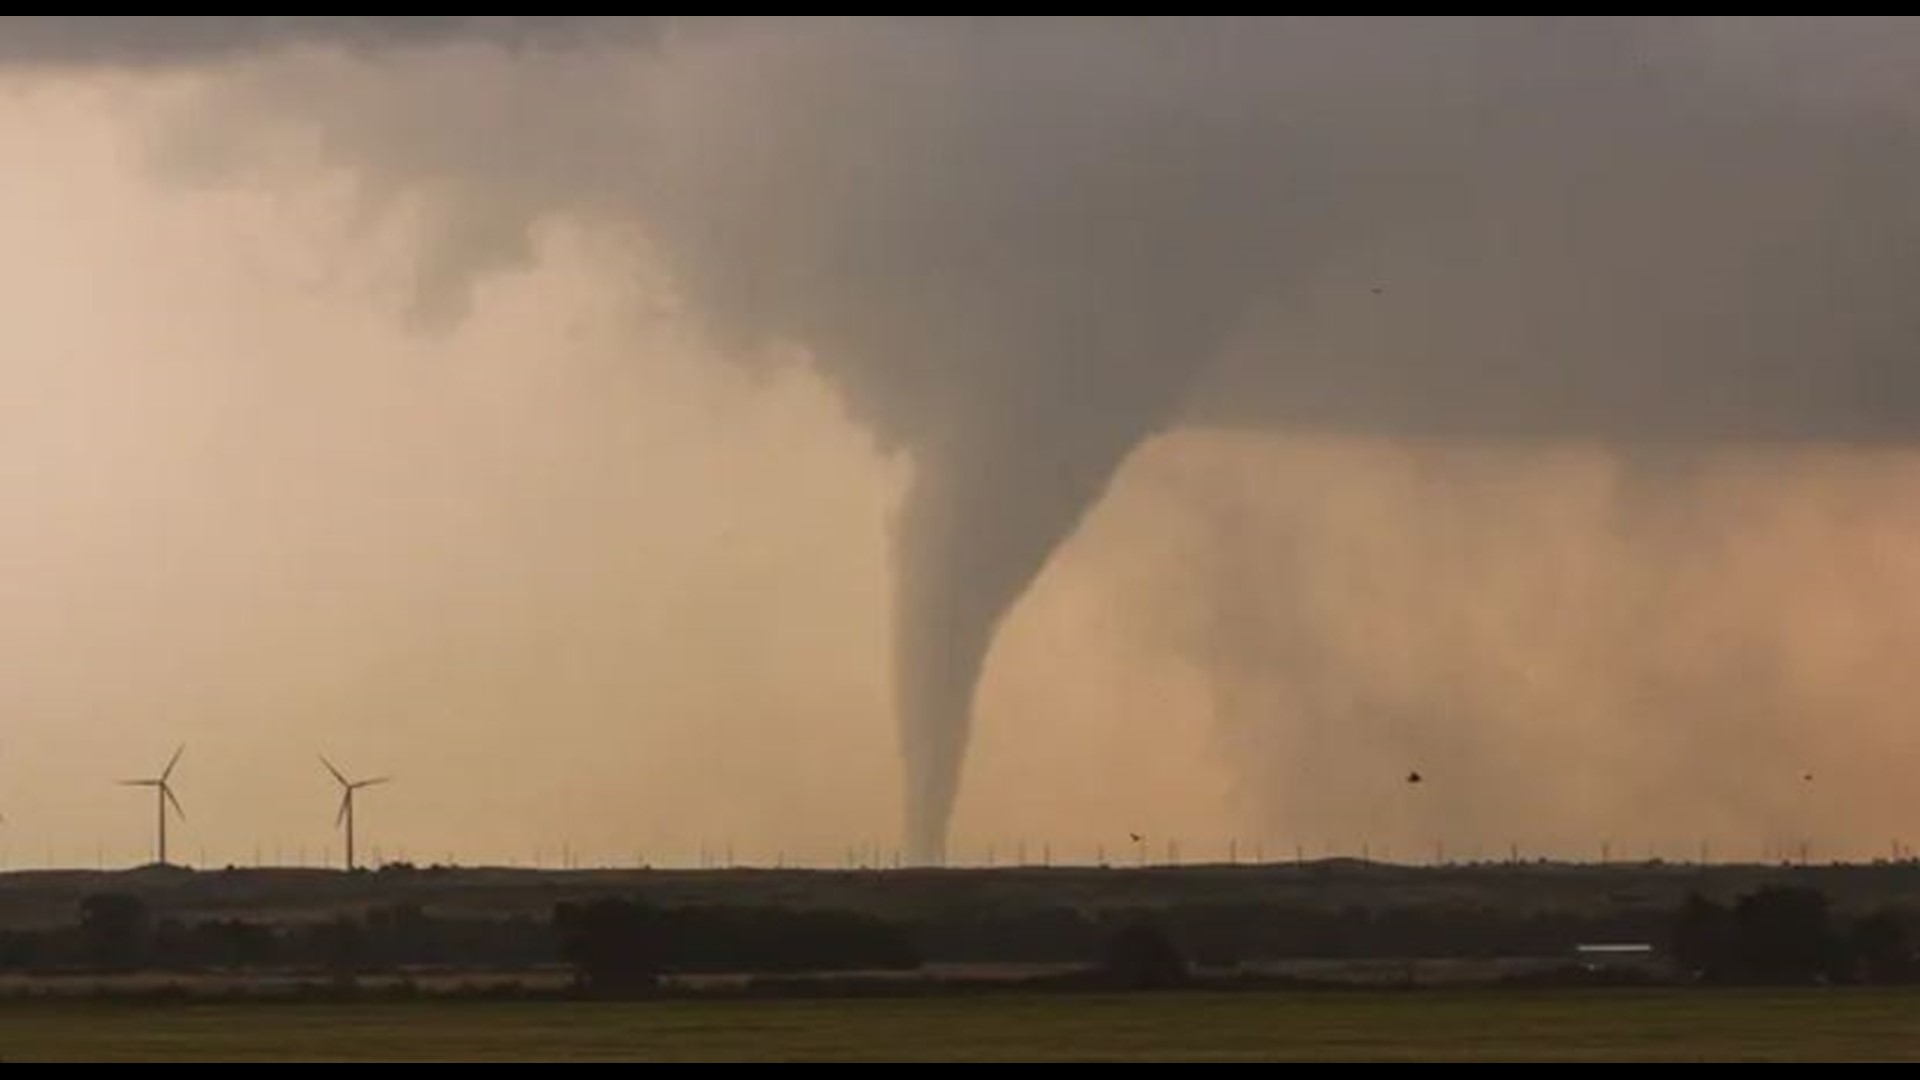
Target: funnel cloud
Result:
[[1021, 248]]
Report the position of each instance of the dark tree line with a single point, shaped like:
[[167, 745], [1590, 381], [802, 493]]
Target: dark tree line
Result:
[[621, 945], [1786, 935], [117, 932], [1777, 934]]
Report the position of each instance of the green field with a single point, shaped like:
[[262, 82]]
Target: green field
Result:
[[1667, 1026]]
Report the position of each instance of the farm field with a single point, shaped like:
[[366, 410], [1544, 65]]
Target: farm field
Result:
[[1411, 1026]]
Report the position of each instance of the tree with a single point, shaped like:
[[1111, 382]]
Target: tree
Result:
[[1784, 935], [614, 945], [1704, 941], [1882, 948], [343, 948], [1777, 934], [238, 943], [115, 927], [1140, 956]]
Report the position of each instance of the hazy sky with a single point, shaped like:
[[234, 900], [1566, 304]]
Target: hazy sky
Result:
[[356, 405], [563, 574]]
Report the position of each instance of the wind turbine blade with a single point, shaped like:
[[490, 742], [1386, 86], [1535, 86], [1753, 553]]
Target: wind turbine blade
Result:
[[168, 792], [337, 775], [340, 818], [375, 780], [139, 783], [167, 773]]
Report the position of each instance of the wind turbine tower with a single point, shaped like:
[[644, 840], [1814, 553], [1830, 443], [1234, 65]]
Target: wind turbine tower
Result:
[[347, 789], [163, 795]]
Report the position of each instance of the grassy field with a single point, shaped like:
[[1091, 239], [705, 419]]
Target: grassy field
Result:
[[1665, 1026]]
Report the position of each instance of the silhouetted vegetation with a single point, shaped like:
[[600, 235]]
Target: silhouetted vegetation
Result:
[[1224, 934], [614, 946], [624, 944], [114, 931], [620, 945], [1883, 949], [1786, 935], [1140, 956]]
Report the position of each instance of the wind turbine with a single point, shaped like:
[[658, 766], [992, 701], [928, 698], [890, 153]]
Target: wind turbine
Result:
[[347, 788], [163, 794]]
